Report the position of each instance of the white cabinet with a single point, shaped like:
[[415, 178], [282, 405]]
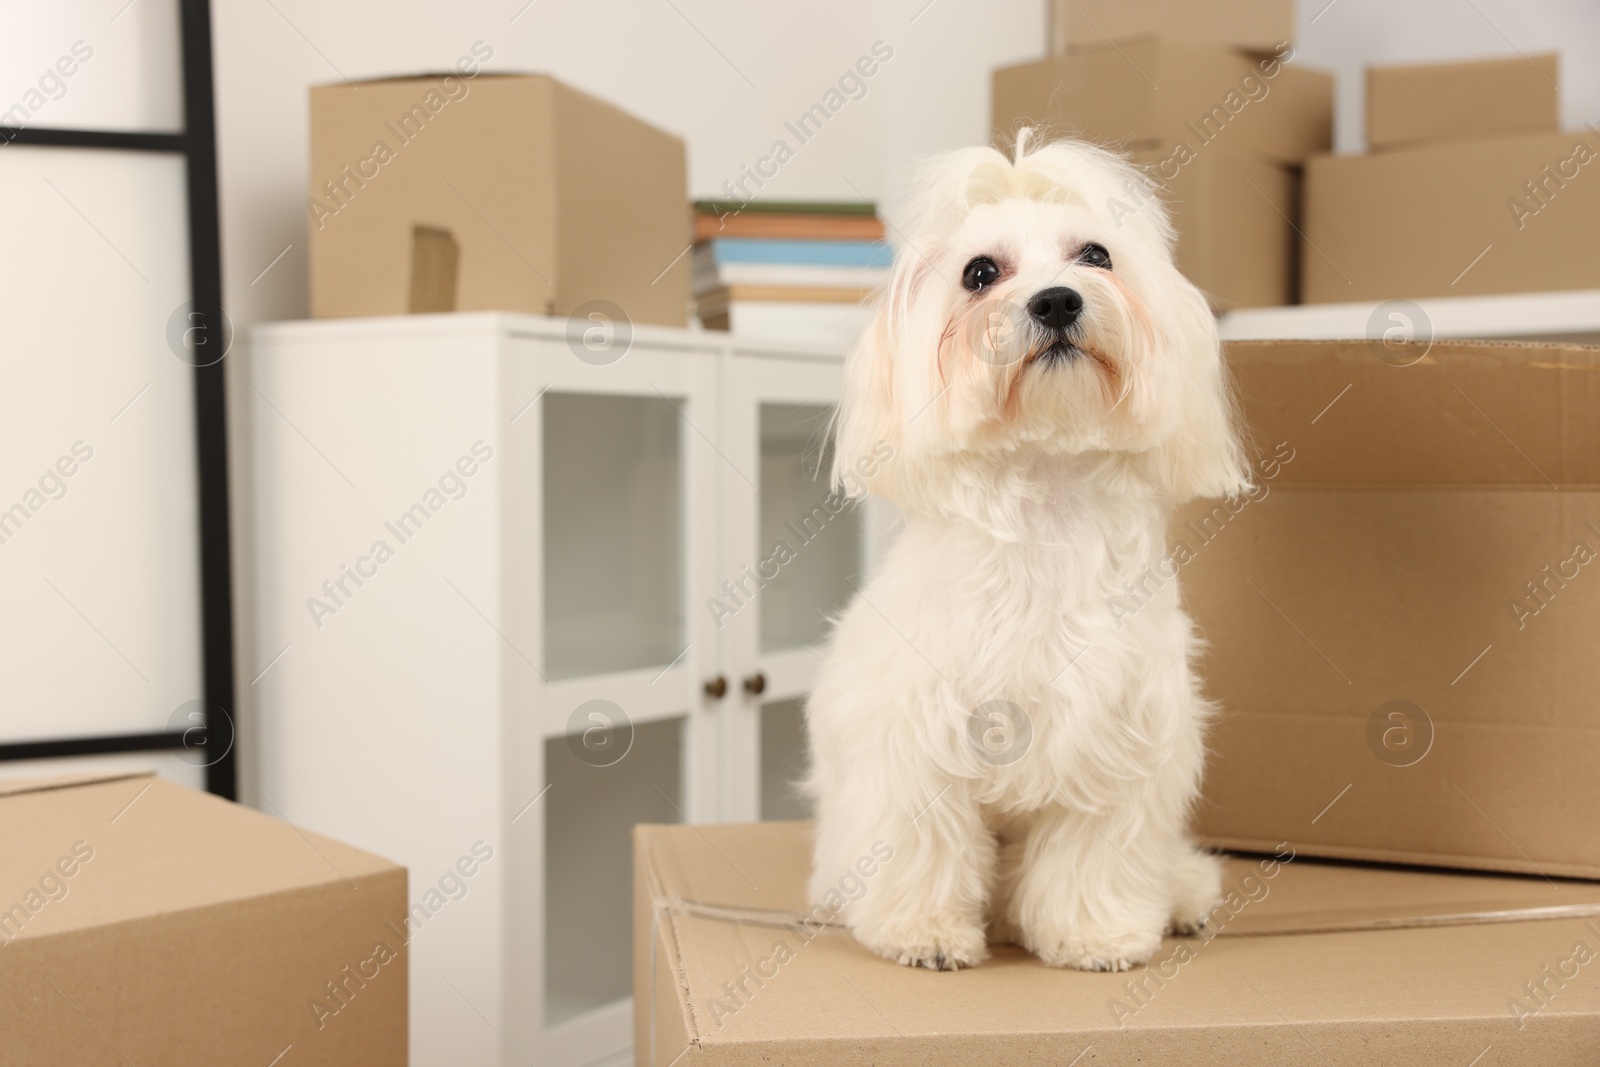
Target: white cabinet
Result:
[[505, 563]]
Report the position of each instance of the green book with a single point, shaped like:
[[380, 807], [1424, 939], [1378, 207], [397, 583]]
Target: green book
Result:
[[788, 207]]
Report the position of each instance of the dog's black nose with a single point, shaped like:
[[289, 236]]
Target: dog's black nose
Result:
[[1057, 307]]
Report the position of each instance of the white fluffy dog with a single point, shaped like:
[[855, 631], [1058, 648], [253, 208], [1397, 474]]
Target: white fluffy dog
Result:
[[1047, 386]]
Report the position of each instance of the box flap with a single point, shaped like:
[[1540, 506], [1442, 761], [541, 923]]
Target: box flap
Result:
[[1442, 414], [16, 786], [122, 848]]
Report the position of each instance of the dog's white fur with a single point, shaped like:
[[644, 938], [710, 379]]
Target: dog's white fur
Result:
[[1032, 491]]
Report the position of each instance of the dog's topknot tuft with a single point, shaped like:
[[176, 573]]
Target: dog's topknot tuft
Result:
[[1062, 171], [1024, 135]]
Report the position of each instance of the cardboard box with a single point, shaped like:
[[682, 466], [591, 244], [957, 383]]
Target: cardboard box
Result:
[[1252, 25], [493, 192], [1402, 622], [147, 923], [1152, 92], [1235, 216], [1446, 101], [1365, 965], [1503, 215]]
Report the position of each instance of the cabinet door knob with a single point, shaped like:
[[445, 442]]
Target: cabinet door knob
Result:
[[717, 688], [756, 684]]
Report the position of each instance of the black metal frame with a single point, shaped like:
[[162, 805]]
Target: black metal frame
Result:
[[198, 145]]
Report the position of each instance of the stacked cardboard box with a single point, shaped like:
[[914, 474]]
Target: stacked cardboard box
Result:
[[1402, 615], [469, 191], [1301, 963], [1204, 97], [141, 922], [787, 269], [1470, 188]]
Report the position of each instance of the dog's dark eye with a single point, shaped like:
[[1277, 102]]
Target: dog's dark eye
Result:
[[980, 274], [1095, 256]]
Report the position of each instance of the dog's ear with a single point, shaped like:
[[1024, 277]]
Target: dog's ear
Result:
[[869, 430], [1203, 456]]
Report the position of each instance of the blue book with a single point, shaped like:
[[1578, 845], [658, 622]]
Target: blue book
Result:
[[809, 253]]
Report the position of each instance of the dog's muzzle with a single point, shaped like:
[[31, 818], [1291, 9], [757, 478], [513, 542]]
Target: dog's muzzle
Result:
[[1055, 312]]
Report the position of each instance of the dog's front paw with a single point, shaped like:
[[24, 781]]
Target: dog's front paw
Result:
[[1092, 950], [939, 943], [1197, 891]]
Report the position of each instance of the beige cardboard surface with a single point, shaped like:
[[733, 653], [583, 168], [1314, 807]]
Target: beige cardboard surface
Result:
[[621, 190], [1446, 101], [147, 923], [1491, 215], [1253, 25], [1433, 538], [1235, 220], [1155, 93], [553, 198], [1411, 977]]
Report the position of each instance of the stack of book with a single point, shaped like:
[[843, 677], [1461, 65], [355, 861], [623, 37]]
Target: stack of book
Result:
[[796, 271]]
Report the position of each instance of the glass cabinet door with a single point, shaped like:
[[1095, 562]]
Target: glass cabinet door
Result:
[[624, 452], [613, 533], [613, 603], [589, 815], [810, 539], [795, 554]]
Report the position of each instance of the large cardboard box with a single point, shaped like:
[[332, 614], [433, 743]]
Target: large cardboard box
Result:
[[1303, 963], [493, 192], [1252, 25], [1496, 215], [1154, 92], [1403, 618], [1445, 101], [1235, 216], [147, 923]]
